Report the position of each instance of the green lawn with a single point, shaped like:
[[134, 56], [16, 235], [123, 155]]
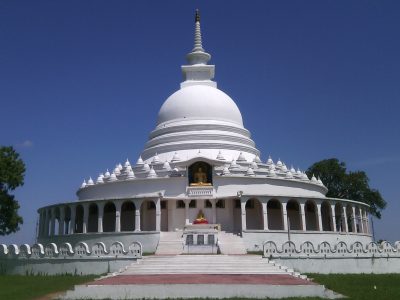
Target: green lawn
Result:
[[364, 286], [15, 287]]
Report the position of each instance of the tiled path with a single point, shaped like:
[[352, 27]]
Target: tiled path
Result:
[[281, 279]]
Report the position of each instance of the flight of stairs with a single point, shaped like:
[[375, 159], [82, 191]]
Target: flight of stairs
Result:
[[230, 243], [205, 264], [171, 243]]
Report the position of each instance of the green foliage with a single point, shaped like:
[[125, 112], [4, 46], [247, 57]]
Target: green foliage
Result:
[[347, 185], [12, 171]]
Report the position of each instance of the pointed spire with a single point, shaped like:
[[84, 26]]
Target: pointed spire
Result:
[[83, 184], [198, 55]]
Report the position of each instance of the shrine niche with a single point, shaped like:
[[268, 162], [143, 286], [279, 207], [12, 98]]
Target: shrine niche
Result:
[[200, 174]]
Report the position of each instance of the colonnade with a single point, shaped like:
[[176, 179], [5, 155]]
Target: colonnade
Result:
[[266, 213], [100, 216], [253, 213]]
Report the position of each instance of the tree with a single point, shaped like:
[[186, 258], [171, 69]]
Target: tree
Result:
[[12, 171], [347, 185]]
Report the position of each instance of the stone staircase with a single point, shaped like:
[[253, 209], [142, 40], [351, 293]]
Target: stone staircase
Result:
[[206, 264], [231, 244], [171, 243]]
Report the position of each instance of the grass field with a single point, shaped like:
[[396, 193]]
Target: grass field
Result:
[[364, 286], [15, 287]]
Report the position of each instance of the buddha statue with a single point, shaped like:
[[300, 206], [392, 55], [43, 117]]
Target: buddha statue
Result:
[[200, 218], [200, 177]]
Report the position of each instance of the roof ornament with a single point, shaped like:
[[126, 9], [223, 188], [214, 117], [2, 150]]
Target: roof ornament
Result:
[[120, 166], [100, 178], [83, 184], [90, 181], [284, 168], [130, 175], [233, 165], [289, 175], [225, 171], [220, 156], [175, 157], [127, 163], [250, 172], [257, 159], [156, 159], [166, 166], [107, 174], [146, 167], [313, 178], [254, 165], [113, 177], [139, 161], [152, 173], [270, 161], [241, 158], [117, 170]]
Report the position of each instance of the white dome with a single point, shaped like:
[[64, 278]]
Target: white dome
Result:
[[199, 102]]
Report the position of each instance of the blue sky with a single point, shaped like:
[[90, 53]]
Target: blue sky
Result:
[[81, 83]]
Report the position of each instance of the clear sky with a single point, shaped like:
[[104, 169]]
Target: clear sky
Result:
[[81, 83]]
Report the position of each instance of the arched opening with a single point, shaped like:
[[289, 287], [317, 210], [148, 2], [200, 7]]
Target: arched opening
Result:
[[275, 215], [200, 173], [349, 215], [109, 217], [164, 215], [294, 216], [67, 221], [237, 215], [340, 226], [57, 221], [326, 215], [79, 219], [93, 218], [311, 215], [254, 215], [148, 216], [128, 216]]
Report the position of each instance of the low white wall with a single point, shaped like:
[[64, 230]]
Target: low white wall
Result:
[[254, 239], [63, 266], [344, 265], [341, 257], [148, 240]]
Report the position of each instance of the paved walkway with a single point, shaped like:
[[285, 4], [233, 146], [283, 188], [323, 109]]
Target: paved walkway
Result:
[[283, 279]]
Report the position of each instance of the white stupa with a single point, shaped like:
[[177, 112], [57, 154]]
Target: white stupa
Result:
[[201, 168]]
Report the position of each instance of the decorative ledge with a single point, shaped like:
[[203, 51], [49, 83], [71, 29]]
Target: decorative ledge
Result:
[[206, 191]]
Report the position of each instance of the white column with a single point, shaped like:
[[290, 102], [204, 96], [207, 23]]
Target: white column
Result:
[[361, 220], [53, 222], [284, 215], [100, 209], [265, 214], [138, 203], [187, 212], [333, 217], [62, 221], [319, 217], [72, 223], [354, 224], [118, 216], [158, 214], [85, 217], [243, 211], [367, 229], [214, 210], [346, 225], [303, 216]]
